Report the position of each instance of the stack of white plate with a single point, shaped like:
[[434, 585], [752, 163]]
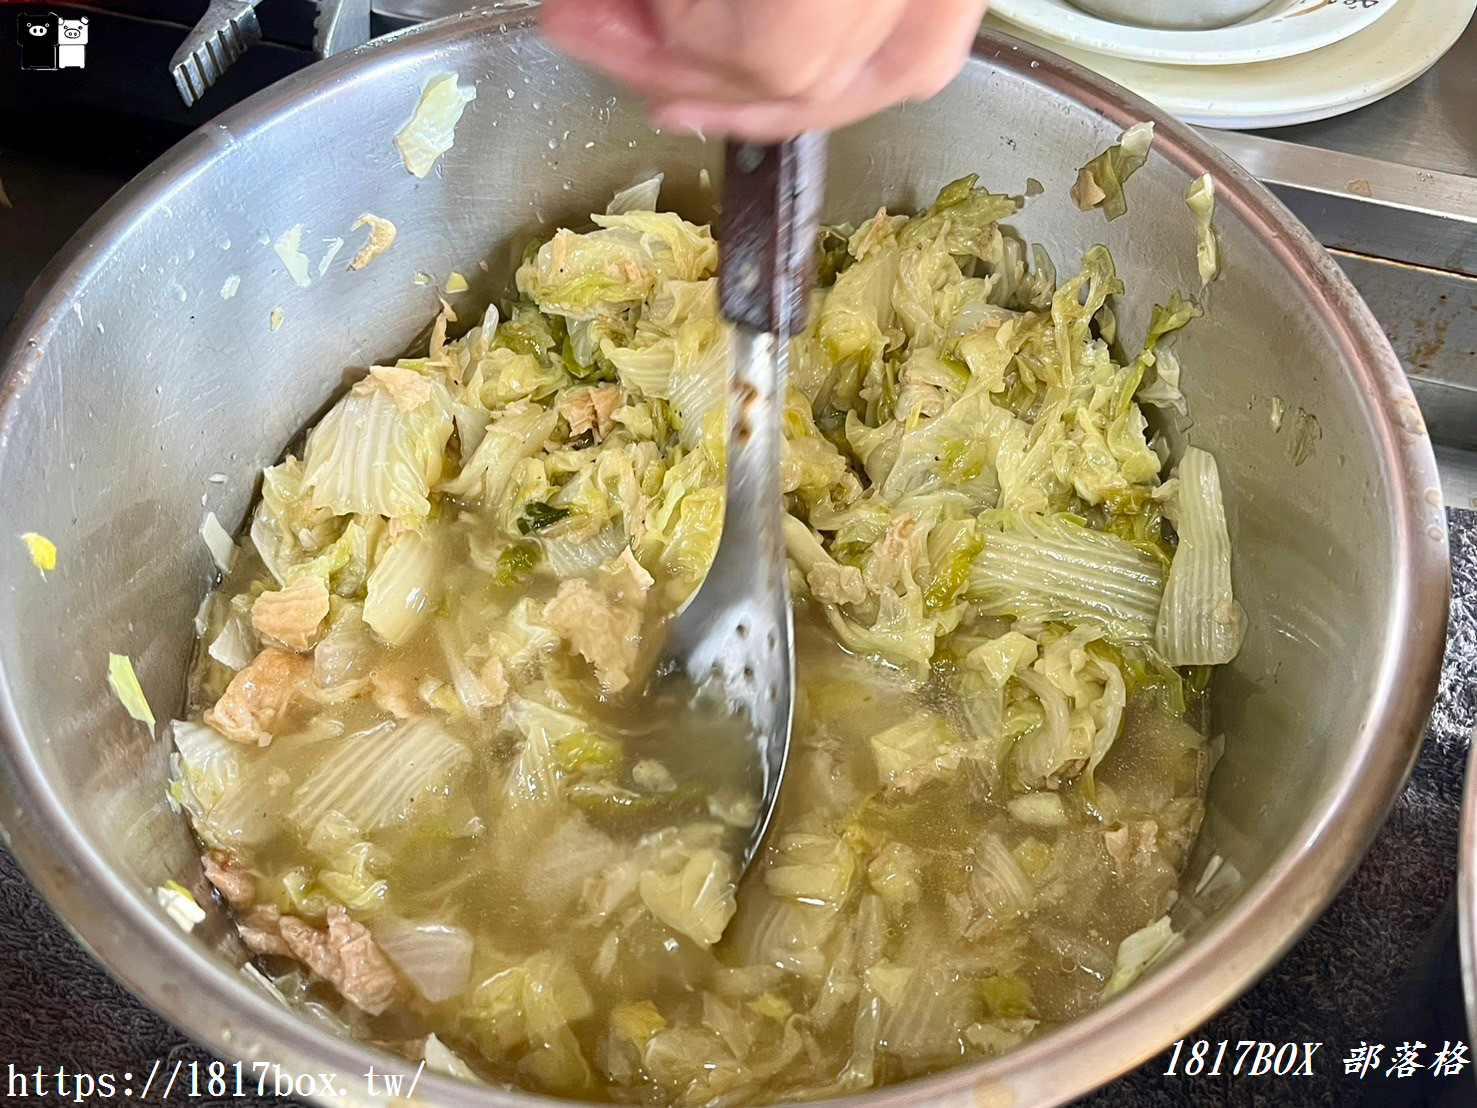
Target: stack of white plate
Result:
[[1293, 61]]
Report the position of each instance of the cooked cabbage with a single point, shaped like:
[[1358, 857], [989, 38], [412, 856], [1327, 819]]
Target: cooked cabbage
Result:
[[432, 129], [697, 899], [1141, 950], [288, 247], [376, 778], [434, 645], [1201, 201], [124, 683], [42, 551], [1200, 622], [1041, 568], [401, 587], [1100, 181], [372, 454]]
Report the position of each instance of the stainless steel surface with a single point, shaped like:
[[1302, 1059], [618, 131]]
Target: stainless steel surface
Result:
[[225, 32], [1430, 316], [737, 628], [1428, 124], [340, 25], [107, 437], [735, 637], [405, 12], [1180, 15], [1366, 205], [1458, 469]]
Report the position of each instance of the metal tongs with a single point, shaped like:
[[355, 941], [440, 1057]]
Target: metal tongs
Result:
[[229, 28], [736, 633]]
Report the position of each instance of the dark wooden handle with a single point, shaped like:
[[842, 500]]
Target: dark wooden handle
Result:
[[771, 216]]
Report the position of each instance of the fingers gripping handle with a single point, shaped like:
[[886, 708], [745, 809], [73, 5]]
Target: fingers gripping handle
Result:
[[771, 215]]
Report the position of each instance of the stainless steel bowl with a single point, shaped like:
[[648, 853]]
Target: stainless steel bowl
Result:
[[1176, 15], [129, 380]]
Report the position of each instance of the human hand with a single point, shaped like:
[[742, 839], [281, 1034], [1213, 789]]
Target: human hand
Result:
[[767, 70]]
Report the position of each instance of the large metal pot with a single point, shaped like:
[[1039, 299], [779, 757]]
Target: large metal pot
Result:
[[130, 380]]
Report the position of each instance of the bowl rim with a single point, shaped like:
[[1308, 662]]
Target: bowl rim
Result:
[[177, 978]]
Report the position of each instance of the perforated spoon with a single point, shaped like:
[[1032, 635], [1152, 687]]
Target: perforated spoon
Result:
[[735, 636]]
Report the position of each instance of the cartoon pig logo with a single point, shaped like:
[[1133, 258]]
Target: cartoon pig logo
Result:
[[38, 35], [71, 50]]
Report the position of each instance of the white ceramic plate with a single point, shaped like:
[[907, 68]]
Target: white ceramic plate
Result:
[[1280, 30], [1339, 78]]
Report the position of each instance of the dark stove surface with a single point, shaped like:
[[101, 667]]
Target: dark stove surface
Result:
[[1380, 966]]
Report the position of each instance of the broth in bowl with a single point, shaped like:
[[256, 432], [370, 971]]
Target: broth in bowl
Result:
[[416, 755]]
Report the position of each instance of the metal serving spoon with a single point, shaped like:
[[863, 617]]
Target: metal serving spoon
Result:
[[735, 636]]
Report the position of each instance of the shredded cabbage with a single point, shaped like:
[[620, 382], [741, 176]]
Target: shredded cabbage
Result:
[[1041, 568], [443, 1059], [401, 588], [206, 769], [432, 129], [370, 454], [620, 264], [1199, 622], [1140, 951], [42, 551], [180, 905], [812, 868], [438, 624], [1201, 201], [236, 643], [219, 542], [435, 958], [640, 197], [373, 779], [697, 899], [334, 245], [1100, 182], [288, 247], [124, 683]]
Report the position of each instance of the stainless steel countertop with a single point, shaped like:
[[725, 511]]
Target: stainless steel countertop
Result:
[[1429, 124]]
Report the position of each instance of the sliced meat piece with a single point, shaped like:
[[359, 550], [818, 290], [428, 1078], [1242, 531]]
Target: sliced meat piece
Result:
[[229, 876], [891, 556], [1131, 845], [346, 956], [393, 690], [604, 631], [261, 931], [292, 617], [832, 583], [407, 388], [256, 701], [495, 681], [592, 410]]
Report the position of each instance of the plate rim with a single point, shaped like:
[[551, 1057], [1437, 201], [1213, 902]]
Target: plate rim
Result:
[[1178, 51], [1310, 107]]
